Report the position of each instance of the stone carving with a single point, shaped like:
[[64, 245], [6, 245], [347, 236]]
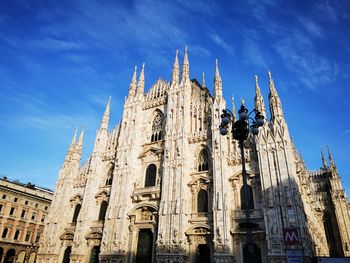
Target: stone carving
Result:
[[186, 110]]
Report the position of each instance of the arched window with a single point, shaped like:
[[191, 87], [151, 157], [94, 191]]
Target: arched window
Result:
[[10, 255], [95, 251], [202, 201], [203, 163], [76, 213], [151, 173], [28, 235], [103, 210], [250, 203], [4, 232], [66, 256], [110, 175], [16, 235], [157, 128]]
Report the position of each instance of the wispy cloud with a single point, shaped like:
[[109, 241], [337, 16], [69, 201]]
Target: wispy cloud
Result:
[[32, 111], [253, 54], [333, 11], [299, 56], [222, 43], [312, 28], [54, 44], [345, 132]]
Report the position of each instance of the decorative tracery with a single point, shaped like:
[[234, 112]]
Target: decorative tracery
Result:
[[157, 128], [203, 161]]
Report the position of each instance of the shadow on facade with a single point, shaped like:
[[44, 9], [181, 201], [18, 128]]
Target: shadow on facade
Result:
[[285, 212]]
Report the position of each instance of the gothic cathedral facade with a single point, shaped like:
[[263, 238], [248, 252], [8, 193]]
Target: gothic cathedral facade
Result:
[[165, 186]]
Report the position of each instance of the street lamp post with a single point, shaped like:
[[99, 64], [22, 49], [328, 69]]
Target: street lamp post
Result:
[[240, 131]]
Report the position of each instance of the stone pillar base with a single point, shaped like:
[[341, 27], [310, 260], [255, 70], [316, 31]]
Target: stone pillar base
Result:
[[112, 258], [170, 258], [224, 258], [276, 259]]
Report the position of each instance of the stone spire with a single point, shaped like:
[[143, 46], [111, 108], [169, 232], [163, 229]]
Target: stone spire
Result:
[[217, 81], [176, 69], [185, 67], [274, 100], [233, 108], [71, 147], [203, 81], [141, 82], [79, 147], [324, 162], [331, 161], [80, 141], [132, 89], [259, 100], [105, 118], [72, 143]]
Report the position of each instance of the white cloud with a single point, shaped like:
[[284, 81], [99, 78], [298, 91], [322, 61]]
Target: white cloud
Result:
[[222, 43], [311, 27], [300, 56], [253, 55]]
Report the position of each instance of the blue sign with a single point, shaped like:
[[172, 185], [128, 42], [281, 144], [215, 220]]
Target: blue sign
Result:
[[295, 256]]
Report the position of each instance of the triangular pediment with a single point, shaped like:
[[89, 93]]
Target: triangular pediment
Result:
[[202, 178], [151, 150], [67, 236], [94, 235], [102, 193]]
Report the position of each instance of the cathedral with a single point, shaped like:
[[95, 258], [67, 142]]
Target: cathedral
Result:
[[164, 186]]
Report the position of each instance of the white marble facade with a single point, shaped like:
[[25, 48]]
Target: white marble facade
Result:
[[166, 176]]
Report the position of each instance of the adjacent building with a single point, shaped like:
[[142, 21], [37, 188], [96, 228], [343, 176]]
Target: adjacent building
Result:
[[23, 211], [164, 186]]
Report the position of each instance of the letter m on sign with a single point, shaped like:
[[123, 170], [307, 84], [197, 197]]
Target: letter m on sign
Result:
[[291, 236]]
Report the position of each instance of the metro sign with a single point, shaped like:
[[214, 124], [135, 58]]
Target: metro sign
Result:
[[291, 236]]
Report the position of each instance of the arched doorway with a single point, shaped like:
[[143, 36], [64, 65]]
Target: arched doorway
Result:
[[66, 256], [32, 257], [202, 254], [1, 253], [251, 254], [200, 244], [10, 256], [144, 246], [95, 251], [21, 256]]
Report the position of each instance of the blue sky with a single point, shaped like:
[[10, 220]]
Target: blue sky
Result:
[[61, 60]]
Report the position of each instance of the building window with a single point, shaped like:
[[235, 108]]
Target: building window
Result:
[[26, 202], [16, 234], [28, 234], [23, 213], [110, 175], [37, 239], [1, 206], [15, 199], [33, 215], [36, 205], [76, 213], [3, 196], [202, 201], [66, 256], [103, 210], [250, 203], [46, 207], [43, 218], [151, 173], [12, 211], [157, 128], [4, 232], [203, 163], [95, 251]]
